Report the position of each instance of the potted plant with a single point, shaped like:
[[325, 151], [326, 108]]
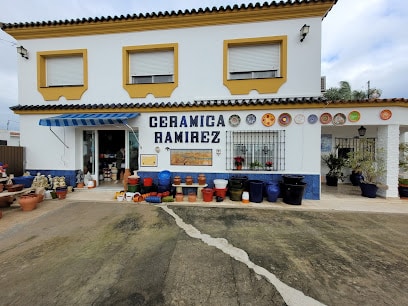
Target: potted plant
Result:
[[238, 162], [372, 166], [403, 177], [335, 164], [255, 165], [269, 165]]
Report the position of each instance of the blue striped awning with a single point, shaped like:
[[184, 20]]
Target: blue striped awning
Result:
[[88, 119]]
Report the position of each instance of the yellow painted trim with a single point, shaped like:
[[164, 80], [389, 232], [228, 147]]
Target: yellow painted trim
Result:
[[173, 21], [148, 109], [263, 86], [162, 90], [54, 93]]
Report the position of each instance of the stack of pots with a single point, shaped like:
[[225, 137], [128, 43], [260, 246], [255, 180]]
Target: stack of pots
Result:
[[220, 188], [293, 189], [133, 184], [236, 187], [164, 178]]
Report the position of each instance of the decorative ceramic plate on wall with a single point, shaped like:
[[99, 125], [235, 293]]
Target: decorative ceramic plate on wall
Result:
[[354, 116], [299, 119], [385, 114], [339, 119], [312, 119], [251, 119], [268, 119], [325, 118], [284, 119], [234, 120]]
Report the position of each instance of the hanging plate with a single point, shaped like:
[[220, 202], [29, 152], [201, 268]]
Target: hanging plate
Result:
[[234, 120], [268, 119], [325, 118], [250, 119], [284, 119], [385, 114], [339, 119], [312, 119], [354, 116], [300, 119]]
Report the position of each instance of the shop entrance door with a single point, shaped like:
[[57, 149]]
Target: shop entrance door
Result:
[[110, 143]]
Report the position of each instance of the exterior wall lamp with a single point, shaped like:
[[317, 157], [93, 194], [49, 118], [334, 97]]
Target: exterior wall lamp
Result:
[[303, 32], [22, 51], [361, 131]]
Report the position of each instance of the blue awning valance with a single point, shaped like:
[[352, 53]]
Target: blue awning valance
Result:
[[88, 119]]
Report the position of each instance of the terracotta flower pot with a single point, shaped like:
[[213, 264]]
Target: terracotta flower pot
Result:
[[28, 202]]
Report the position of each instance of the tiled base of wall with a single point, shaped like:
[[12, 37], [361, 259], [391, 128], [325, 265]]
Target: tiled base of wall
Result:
[[312, 191]]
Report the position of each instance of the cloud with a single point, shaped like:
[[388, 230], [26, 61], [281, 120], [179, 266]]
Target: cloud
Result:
[[362, 41]]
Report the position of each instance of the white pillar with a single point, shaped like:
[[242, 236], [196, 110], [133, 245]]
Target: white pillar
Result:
[[388, 138]]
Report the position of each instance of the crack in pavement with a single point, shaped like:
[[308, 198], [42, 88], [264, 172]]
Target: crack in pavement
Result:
[[291, 296]]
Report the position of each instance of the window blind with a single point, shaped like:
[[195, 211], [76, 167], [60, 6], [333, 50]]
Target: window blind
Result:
[[65, 71], [152, 63], [254, 58]]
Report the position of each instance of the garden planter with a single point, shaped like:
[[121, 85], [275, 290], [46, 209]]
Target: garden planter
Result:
[[28, 202], [272, 191], [6, 201], [293, 193], [255, 191], [331, 180], [356, 178], [368, 190], [236, 194], [403, 191], [208, 194]]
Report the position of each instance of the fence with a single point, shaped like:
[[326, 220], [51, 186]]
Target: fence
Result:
[[14, 157]]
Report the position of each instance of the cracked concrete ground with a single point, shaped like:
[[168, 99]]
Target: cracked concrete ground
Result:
[[110, 253]]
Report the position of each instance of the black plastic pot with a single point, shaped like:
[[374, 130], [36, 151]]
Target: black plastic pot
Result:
[[403, 191], [331, 180], [293, 193], [292, 179]]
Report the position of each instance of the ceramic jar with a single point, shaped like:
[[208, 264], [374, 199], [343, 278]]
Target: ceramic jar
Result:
[[192, 197], [179, 197], [177, 180], [201, 179], [272, 191], [189, 180], [28, 202]]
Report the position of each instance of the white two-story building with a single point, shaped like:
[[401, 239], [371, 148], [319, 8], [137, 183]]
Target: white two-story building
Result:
[[187, 92]]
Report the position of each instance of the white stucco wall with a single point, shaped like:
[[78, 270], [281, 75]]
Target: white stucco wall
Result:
[[200, 61]]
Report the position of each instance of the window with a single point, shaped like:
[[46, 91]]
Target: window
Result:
[[254, 61], [257, 148], [62, 73], [346, 145], [65, 71], [255, 64], [151, 69]]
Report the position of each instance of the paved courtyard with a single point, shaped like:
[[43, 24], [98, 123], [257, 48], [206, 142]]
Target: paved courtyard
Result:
[[73, 252]]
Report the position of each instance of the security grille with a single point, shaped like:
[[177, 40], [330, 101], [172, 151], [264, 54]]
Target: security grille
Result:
[[346, 145], [257, 148]]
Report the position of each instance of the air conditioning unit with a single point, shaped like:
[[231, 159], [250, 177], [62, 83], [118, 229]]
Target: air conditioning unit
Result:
[[323, 84]]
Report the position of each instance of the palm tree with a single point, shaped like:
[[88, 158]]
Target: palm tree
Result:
[[344, 92]]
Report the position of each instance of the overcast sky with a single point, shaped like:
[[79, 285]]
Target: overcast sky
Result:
[[362, 40]]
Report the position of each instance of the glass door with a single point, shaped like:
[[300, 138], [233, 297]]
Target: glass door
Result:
[[89, 158]]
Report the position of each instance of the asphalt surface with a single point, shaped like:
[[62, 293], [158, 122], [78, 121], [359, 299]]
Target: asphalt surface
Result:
[[110, 253]]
